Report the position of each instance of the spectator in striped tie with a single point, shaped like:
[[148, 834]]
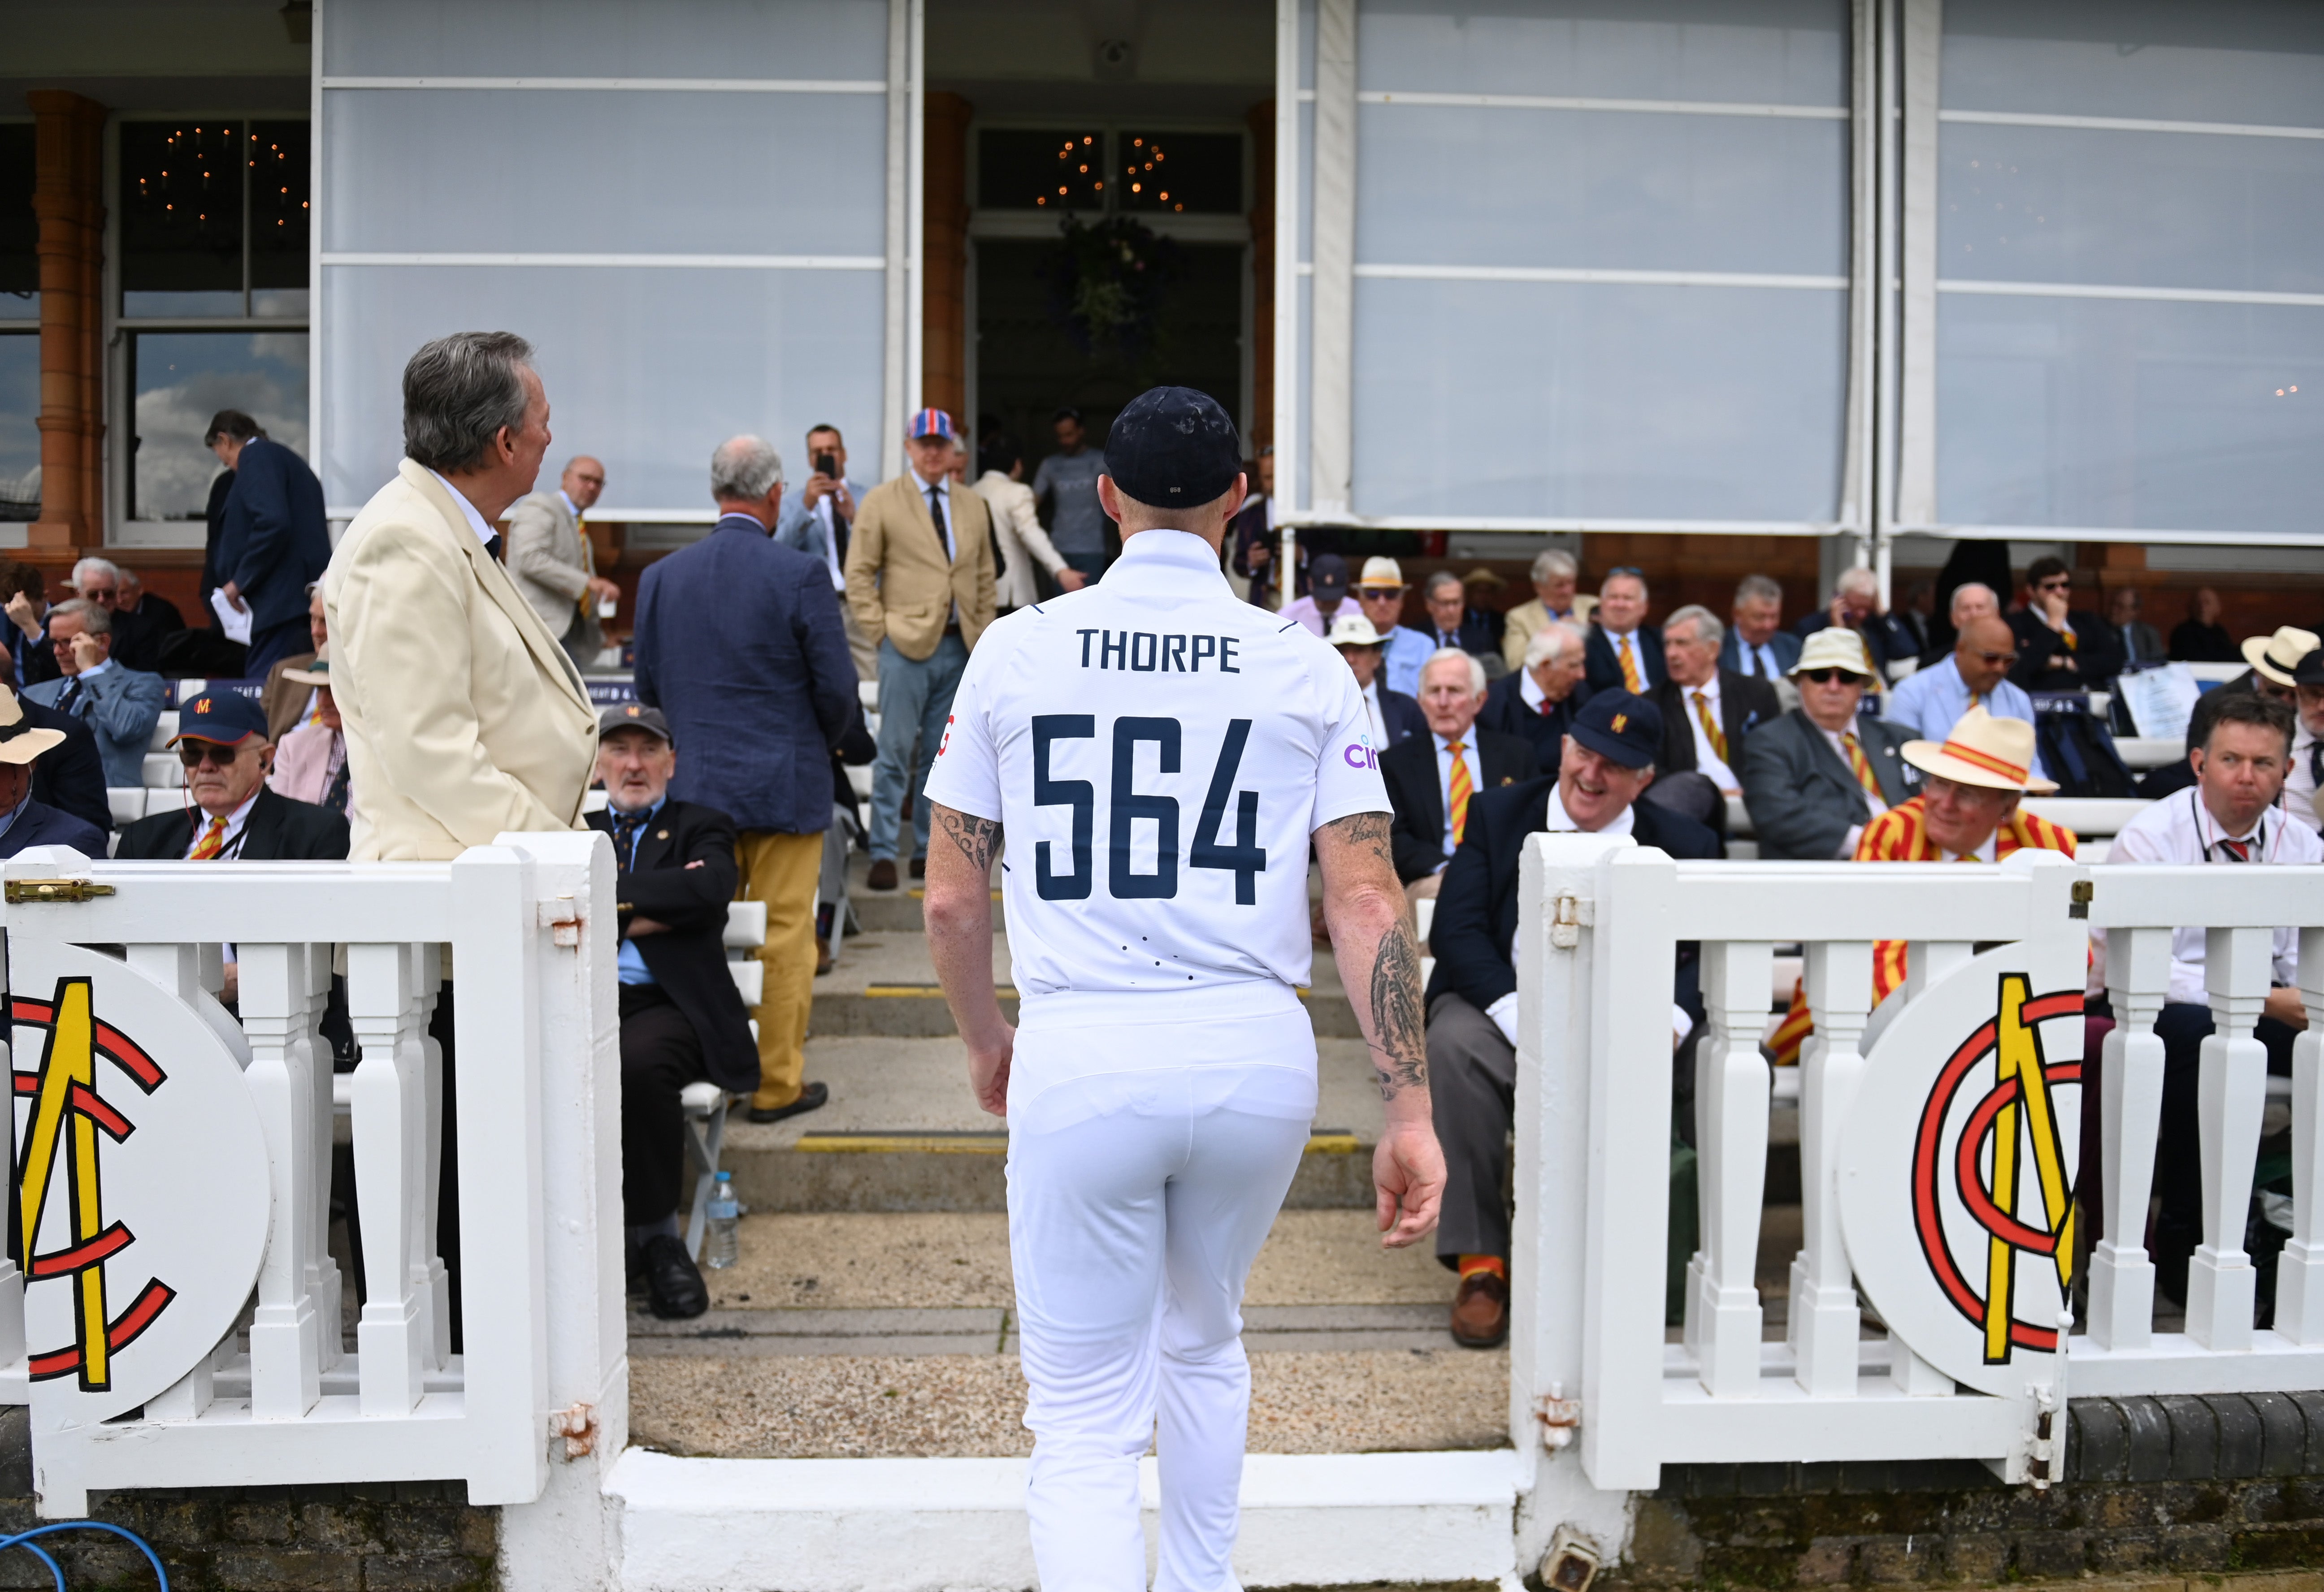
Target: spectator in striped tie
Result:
[[1431, 779], [1625, 652], [1814, 778], [1707, 709]]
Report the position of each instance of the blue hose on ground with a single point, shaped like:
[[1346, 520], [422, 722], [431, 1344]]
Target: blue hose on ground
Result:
[[24, 1539]]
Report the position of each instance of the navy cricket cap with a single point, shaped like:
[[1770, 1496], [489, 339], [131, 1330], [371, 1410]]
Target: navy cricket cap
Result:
[[1173, 447], [225, 717], [1621, 727], [634, 715], [1328, 575]]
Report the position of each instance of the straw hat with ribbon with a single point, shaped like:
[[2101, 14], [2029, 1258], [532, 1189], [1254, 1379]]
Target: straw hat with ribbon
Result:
[[20, 742], [2275, 657], [1997, 754]]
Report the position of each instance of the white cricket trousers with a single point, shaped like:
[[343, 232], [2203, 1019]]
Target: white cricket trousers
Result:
[[1138, 1201]]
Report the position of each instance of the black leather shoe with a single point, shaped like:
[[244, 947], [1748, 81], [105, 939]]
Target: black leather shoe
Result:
[[920, 868], [813, 1098], [674, 1290]]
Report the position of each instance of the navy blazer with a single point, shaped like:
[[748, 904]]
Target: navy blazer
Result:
[[271, 540], [1401, 714], [1744, 704], [1602, 670], [1476, 921], [1481, 632], [40, 825], [1785, 644], [278, 829], [1415, 833], [739, 641], [1505, 710], [69, 775]]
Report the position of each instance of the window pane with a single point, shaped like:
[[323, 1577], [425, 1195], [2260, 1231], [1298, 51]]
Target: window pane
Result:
[[2129, 415], [1168, 173], [181, 217], [801, 39], [279, 189], [20, 229], [646, 369], [583, 172], [19, 439], [1556, 399], [2250, 61], [1023, 169], [181, 379]]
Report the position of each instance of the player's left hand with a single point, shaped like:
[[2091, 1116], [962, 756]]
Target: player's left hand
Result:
[[988, 1071], [1408, 1182]]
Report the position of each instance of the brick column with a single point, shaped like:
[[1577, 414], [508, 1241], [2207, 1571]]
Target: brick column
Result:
[[68, 200], [944, 300], [1260, 424]]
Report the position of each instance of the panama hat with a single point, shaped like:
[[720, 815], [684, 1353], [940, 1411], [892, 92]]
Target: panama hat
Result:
[[1835, 647], [318, 671], [1381, 574], [1997, 754], [19, 741], [1353, 629], [2275, 657]]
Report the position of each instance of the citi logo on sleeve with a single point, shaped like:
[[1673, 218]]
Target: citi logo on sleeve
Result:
[[1360, 754]]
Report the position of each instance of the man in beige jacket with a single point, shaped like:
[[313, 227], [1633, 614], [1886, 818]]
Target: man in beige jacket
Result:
[[464, 715], [554, 567], [920, 585]]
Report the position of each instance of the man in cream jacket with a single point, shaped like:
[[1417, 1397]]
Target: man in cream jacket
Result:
[[1017, 527], [464, 715]]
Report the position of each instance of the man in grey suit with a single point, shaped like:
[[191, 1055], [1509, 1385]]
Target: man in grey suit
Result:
[[120, 704], [1814, 778], [818, 523], [552, 563]]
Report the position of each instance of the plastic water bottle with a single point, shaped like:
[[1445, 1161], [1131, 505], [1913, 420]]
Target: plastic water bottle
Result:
[[720, 1242]]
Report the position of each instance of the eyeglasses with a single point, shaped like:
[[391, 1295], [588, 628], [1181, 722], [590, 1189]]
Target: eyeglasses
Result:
[[2007, 660], [193, 754], [1833, 677]]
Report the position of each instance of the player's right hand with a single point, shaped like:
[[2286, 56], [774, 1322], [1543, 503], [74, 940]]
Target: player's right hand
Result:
[[988, 1072], [1408, 1183]]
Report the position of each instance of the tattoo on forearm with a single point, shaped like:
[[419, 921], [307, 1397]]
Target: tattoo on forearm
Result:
[[979, 839], [1399, 1030]]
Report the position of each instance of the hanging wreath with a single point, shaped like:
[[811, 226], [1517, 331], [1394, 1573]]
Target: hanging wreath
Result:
[[1107, 282]]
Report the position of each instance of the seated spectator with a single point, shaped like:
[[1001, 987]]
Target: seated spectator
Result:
[[230, 814], [1608, 761], [1856, 606], [1971, 600], [1625, 652], [1913, 615], [1454, 622], [1967, 811], [2200, 638], [1394, 716], [120, 704], [141, 623], [2303, 784], [1327, 590], [2229, 817], [135, 600], [1403, 650], [310, 764], [289, 705], [1975, 674], [71, 777], [1706, 710], [25, 820], [682, 1019], [2139, 641], [1757, 644], [1538, 701], [1814, 778], [2061, 647], [28, 624], [1432, 778], [1554, 575]]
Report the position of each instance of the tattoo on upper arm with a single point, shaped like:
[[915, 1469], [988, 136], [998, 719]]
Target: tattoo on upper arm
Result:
[[979, 839], [1368, 831], [1399, 1028]]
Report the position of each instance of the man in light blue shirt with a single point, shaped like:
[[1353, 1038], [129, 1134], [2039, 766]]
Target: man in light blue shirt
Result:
[[1932, 700]]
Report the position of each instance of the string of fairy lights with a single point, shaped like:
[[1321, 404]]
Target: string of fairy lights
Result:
[[1076, 158], [195, 167]]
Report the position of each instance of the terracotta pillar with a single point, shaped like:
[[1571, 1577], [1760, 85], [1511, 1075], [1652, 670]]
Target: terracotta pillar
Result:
[[944, 299], [1260, 426], [68, 199]]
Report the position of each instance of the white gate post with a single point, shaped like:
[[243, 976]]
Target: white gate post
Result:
[[1823, 1321], [2231, 1097], [1731, 1134], [2130, 1105], [2299, 1275], [285, 1351], [565, 1540]]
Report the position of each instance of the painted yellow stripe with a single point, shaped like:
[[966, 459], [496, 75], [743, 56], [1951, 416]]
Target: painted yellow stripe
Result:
[[902, 991]]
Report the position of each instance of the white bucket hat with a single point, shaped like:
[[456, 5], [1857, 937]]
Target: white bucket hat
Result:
[[1353, 629], [1835, 647]]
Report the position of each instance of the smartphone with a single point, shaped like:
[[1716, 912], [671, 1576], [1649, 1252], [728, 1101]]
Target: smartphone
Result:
[[827, 464]]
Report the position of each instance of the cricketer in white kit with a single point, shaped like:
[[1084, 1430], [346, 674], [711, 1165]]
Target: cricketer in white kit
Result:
[[1160, 756]]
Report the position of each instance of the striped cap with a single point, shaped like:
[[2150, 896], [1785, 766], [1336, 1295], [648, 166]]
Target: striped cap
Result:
[[1997, 754], [931, 423]]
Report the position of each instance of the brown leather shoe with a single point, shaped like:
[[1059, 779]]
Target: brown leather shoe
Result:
[[882, 876], [823, 957], [1480, 1312]]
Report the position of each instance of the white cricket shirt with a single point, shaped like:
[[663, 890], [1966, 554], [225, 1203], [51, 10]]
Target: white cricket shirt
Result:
[[1158, 753]]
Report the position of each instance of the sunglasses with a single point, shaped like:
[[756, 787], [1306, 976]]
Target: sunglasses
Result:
[[2007, 659], [2059, 583], [193, 754], [1833, 677]]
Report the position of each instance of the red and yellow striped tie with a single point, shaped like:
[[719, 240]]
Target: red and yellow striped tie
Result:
[[212, 842], [1631, 678], [1457, 791], [1863, 766], [1711, 728]]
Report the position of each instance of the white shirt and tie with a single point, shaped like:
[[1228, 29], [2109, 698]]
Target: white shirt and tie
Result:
[[476, 522], [1759, 660], [229, 843], [1626, 642], [2179, 829], [1702, 711]]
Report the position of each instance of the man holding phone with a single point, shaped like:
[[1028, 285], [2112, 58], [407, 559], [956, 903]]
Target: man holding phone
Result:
[[818, 523]]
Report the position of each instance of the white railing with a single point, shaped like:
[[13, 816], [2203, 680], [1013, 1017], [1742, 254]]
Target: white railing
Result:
[[238, 1375], [1981, 1046]]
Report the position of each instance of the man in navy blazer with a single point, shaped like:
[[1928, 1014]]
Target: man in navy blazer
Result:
[[1538, 699], [272, 542], [1618, 630], [24, 819], [1757, 645], [1605, 766], [739, 642]]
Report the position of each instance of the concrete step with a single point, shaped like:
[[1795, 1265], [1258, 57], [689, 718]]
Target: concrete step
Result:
[[902, 1134]]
